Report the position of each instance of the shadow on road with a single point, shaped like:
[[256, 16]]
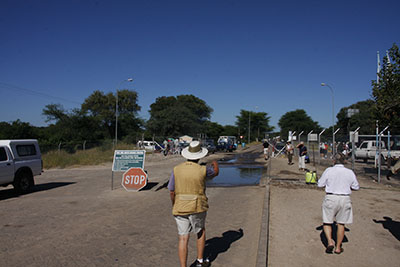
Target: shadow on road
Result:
[[334, 237], [10, 193], [164, 185], [217, 245], [392, 226], [149, 186]]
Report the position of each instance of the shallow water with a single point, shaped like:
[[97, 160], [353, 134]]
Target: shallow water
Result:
[[236, 176]]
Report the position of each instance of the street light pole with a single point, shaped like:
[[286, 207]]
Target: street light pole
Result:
[[249, 128], [333, 119], [116, 109]]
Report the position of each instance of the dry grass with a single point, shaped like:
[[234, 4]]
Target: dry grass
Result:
[[94, 156]]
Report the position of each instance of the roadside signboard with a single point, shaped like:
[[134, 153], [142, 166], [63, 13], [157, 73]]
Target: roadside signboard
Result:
[[353, 136], [134, 179], [126, 159], [313, 137]]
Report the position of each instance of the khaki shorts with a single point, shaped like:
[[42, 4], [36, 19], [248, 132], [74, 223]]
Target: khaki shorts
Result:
[[337, 207], [192, 223]]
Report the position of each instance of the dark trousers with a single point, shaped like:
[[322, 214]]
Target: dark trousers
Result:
[[290, 157]]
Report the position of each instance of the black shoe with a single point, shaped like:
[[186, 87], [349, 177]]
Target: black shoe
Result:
[[205, 263], [388, 175]]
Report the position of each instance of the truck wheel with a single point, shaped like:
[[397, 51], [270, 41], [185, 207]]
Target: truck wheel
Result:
[[23, 182]]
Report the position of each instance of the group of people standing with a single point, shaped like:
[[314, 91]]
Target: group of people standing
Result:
[[289, 150], [187, 187]]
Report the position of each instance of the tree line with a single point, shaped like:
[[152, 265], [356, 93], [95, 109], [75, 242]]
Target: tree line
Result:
[[173, 116]]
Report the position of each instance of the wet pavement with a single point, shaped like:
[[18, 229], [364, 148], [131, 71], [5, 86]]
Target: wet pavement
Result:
[[237, 176]]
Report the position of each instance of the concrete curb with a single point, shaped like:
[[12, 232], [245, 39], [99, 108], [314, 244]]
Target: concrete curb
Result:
[[262, 253]]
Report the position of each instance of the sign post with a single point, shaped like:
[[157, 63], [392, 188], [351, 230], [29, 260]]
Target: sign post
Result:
[[126, 159]]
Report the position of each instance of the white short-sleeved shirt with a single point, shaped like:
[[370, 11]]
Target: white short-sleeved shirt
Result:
[[338, 180]]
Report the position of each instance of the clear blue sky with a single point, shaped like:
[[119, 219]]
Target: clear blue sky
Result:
[[268, 56]]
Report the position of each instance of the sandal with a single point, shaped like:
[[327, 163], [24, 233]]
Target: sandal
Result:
[[329, 249], [338, 252]]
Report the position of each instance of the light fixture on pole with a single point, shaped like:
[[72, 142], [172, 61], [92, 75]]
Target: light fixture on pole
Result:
[[116, 109], [333, 118]]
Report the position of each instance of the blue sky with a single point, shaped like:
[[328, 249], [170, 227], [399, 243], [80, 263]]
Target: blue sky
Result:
[[268, 56]]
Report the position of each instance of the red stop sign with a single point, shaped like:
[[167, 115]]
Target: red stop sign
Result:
[[134, 179]]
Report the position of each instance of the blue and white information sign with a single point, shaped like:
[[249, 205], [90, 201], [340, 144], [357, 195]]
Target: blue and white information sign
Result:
[[126, 159]]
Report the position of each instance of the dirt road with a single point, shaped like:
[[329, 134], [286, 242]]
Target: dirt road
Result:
[[296, 236], [74, 219]]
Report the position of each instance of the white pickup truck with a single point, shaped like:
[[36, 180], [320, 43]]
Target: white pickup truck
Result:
[[20, 161], [394, 152], [367, 150]]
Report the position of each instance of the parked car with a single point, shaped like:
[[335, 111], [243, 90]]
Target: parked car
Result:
[[227, 140], [367, 150], [209, 144], [226, 146], [392, 154], [149, 145], [20, 161]]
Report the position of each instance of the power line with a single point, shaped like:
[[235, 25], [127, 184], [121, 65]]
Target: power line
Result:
[[35, 93]]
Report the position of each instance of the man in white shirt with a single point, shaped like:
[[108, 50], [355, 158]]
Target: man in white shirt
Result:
[[338, 182]]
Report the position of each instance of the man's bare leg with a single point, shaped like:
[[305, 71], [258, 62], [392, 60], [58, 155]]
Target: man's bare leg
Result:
[[328, 234], [183, 249], [201, 242], [340, 236]]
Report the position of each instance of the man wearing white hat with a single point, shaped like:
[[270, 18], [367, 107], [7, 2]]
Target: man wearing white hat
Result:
[[187, 186]]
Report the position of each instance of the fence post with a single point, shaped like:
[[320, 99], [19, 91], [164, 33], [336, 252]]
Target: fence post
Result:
[[334, 145], [319, 144], [353, 147]]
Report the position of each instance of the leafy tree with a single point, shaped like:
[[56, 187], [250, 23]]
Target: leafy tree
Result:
[[70, 126], [102, 107], [174, 116], [54, 112], [259, 124], [298, 121], [363, 119], [386, 92], [213, 130], [230, 130], [18, 130]]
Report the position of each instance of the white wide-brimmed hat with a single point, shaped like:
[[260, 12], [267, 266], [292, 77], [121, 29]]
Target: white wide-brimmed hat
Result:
[[194, 151]]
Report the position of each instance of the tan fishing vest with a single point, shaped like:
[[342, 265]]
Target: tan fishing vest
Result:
[[190, 197]]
